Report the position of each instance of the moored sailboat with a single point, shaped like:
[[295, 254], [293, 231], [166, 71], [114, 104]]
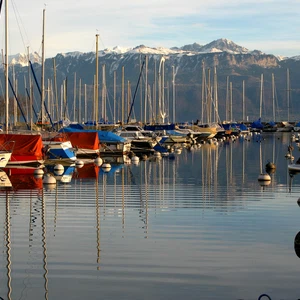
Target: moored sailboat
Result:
[[27, 149]]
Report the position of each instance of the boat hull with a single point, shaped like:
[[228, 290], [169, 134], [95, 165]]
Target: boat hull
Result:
[[4, 158]]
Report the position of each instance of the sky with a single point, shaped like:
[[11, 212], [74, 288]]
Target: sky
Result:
[[271, 26]]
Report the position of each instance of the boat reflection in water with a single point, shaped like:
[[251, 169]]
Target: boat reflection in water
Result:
[[162, 225], [23, 178], [62, 173], [4, 180]]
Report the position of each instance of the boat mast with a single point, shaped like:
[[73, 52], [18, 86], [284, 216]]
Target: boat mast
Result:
[[288, 93], [79, 103], [216, 115], [74, 101], [227, 99], [6, 68], [55, 89], [30, 89], [203, 91], [43, 70], [273, 96], [244, 100], [230, 89], [104, 93], [146, 90], [85, 104], [173, 93], [115, 96], [122, 96], [261, 94], [96, 83]]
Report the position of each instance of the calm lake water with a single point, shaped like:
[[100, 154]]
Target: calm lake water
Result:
[[199, 226]]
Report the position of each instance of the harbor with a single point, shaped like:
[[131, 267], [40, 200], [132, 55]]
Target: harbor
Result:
[[199, 222]]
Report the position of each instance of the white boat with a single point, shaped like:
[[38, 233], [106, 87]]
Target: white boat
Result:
[[4, 180], [4, 158], [139, 142]]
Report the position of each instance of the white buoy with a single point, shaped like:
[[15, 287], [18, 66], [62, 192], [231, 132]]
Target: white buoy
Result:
[[106, 167], [59, 169], [49, 179], [177, 150], [264, 183], [98, 161], [157, 154], [135, 159], [38, 172], [264, 177], [79, 164]]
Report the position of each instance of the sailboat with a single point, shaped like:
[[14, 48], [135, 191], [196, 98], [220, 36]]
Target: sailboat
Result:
[[27, 146]]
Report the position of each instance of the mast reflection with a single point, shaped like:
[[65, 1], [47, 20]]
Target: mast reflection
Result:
[[45, 267], [8, 247]]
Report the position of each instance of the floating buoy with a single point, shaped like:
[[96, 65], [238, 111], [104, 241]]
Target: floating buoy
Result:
[[106, 167], [270, 166], [59, 169], [49, 179], [38, 173], [79, 164], [157, 154], [264, 183], [135, 159], [177, 150], [98, 161], [264, 177]]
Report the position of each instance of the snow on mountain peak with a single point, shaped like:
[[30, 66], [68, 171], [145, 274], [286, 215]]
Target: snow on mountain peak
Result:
[[216, 46]]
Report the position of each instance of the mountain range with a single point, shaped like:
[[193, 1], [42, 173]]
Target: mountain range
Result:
[[225, 64]]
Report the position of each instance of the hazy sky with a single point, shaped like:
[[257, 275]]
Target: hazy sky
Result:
[[272, 26]]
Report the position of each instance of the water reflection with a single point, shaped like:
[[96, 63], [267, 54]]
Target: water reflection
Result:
[[8, 247], [45, 267], [181, 225]]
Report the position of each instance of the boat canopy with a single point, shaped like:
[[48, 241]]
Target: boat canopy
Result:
[[24, 145], [257, 124], [104, 136], [84, 139]]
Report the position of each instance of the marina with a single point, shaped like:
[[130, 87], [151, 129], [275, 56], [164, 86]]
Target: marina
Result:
[[197, 224], [125, 195]]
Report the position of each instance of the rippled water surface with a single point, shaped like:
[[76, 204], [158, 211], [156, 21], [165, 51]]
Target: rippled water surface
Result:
[[199, 226]]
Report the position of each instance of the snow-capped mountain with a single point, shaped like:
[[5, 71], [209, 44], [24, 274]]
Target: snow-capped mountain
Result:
[[217, 46], [22, 59], [230, 59], [224, 45]]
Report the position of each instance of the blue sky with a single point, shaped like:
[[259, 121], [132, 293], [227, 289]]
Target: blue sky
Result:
[[271, 26]]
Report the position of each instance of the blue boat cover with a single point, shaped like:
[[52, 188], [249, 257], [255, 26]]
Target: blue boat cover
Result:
[[159, 127], [257, 124]]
